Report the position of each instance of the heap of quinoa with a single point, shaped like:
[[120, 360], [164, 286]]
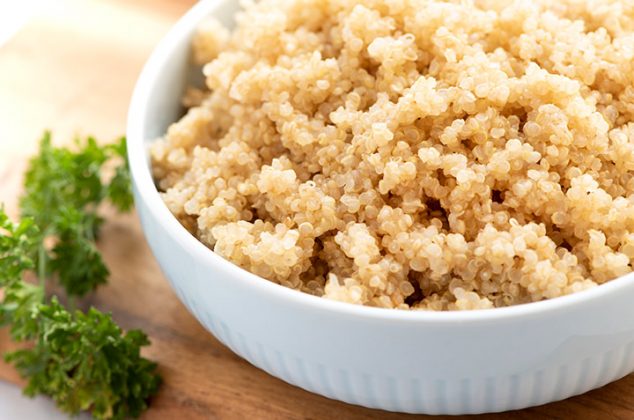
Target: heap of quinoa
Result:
[[413, 154]]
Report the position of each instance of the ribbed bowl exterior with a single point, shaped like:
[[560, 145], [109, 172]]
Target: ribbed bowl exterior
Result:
[[414, 366], [490, 361]]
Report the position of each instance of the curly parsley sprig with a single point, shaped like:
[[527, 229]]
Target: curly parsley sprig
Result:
[[83, 361], [63, 191]]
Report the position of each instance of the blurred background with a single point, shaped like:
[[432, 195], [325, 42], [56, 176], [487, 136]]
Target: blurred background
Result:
[[68, 66]]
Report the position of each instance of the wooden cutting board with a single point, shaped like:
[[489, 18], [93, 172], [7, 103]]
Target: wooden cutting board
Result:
[[72, 69]]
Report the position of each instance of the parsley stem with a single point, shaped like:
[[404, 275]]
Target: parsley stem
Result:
[[41, 266], [87, 231]]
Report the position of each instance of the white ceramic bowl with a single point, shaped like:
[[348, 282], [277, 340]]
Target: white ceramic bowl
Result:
[[417, 362]]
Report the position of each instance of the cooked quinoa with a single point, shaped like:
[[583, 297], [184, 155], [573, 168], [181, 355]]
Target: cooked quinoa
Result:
[[413, 154]]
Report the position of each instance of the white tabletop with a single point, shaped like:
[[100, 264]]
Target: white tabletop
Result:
[[13, 405]]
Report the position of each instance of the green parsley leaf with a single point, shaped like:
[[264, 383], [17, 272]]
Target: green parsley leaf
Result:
[[19, 310], [120, 187], [75, 257], [58, 177], [63, 191], [17, 246], [85, 362], [18, 243]]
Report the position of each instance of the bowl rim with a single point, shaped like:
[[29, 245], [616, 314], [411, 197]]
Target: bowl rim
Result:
[[148, 193]]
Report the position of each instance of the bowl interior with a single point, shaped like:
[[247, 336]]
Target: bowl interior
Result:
[[156, 104], [177, 71]]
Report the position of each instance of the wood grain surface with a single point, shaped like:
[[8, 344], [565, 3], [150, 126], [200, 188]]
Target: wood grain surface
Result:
[[71, 69]]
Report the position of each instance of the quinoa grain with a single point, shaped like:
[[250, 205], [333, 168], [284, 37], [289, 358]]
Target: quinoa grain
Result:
[[421, 154]]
